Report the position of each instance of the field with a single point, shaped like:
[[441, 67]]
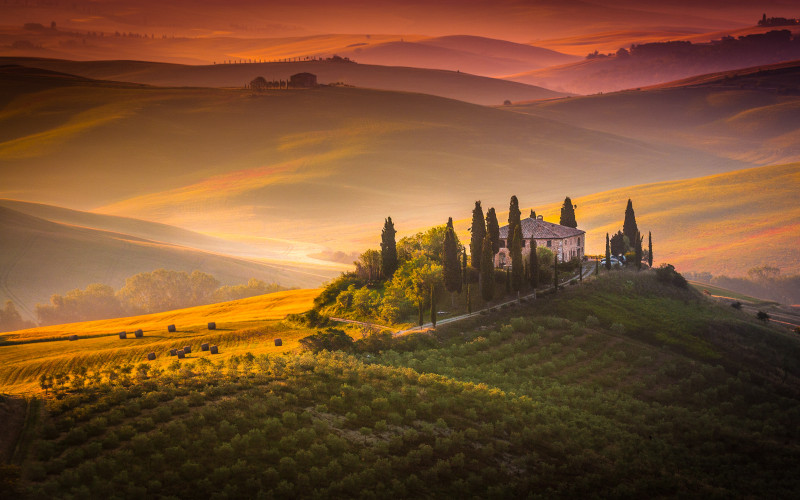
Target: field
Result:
[[621, 386], [243, 325]]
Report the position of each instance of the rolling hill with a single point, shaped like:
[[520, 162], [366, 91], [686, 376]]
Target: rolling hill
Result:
[[450, 84], [749, 115], [39, 258]]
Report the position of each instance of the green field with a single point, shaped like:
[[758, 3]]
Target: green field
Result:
[[621, 386]]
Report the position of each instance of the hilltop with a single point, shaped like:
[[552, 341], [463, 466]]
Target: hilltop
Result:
[[450, 84], [647, 389], [39, 257]]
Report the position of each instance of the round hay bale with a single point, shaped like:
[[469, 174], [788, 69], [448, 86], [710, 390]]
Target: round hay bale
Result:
[[151, 356], [73, 337], [123, 335], [187, 349], [173, 352], [139, 334], [214, 349], [181, 354], [278, 342], [171, 329], [212, 326], [203, 347]]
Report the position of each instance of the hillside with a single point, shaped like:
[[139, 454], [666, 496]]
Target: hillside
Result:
[[450, 84], [659, 62], [646, 389], [39, 258], [229, 163], [749, 115]]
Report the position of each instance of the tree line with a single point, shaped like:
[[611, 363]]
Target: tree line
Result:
[[145, 293]]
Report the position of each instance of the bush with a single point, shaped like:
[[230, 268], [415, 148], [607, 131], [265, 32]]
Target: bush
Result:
[[618, 328], [667, 274], [331, 339]]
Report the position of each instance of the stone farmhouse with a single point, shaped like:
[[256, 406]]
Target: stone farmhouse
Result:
[[566, 242]]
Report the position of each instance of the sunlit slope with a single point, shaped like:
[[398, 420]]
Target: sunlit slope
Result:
[[450, 84], [244, 325], [322, 166], [724, 224], [751, 115], [39, 258]]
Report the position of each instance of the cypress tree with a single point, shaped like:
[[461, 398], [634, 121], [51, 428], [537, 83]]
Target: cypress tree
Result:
[[493, 231], [508, 281], [534, 266], [433, 305], [452, 269], [478, 231], [608, 253], [388, 249], [649, 249], [487, 269], [516, 259], [629, 227], [533, 214], [638, 251], [464, 266], [513, 218], [596, 266], [555, 272], [469, 300], [568, 214]]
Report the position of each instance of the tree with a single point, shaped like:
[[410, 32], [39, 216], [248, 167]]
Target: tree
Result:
[[568, 213], [629, 227], [533, 268], [555, 272], [487, 269], [259, 83], [478, 233], [368, 265], [513, 217], [452, 269], [619, 243], [388, 249], [761, 315], [516, 259], [10, 319], [650, 249], [638, 251], [493, 231], [533, 214], [608, 254], [433, 306]]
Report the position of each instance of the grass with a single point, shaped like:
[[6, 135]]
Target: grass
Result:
[[243, 325]]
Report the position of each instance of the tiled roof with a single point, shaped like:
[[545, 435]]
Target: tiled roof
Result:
[[541, 230]]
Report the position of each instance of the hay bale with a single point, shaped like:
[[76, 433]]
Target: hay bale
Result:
[[73, 337], [151, 356], [123, 335], [139, 334], [212, 326], [203, 347], [214, 349], [181, 354], [187, 349], [278, 342], [173, 352], [171, 329]]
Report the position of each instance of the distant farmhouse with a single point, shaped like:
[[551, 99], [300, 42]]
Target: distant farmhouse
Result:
[[566, 242], [303, 80]]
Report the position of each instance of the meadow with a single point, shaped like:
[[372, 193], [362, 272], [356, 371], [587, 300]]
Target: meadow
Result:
[[579, 393]]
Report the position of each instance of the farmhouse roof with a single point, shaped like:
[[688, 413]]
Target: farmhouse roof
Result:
[[542, 230]]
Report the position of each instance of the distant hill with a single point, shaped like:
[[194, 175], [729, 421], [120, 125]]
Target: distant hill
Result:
[[302, 169], [658, 62], [450, 84], [39, 257], [749, 114]]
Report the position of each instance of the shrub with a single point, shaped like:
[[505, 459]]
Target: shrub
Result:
[[667, 274], [618, 328], [592, 321]]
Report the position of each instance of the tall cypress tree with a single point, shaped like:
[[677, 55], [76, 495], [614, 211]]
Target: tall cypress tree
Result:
[[452, 269], [487, 269], [478, 231], [513, 218], [388, 249], [568, 214], [608, 253], [649, 249], [516, 259], [493, 230], [629, 227], [637, 246], [533, 267]]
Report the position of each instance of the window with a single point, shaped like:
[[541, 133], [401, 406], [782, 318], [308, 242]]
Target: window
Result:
[[523, 243], [579, 241], [502, 243], [549, 243]]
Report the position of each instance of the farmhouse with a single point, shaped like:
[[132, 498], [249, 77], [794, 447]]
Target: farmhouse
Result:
[[566, 242], [303, 80]]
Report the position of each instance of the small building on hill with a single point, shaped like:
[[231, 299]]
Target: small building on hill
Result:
[[303, 80], [566, 242]]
